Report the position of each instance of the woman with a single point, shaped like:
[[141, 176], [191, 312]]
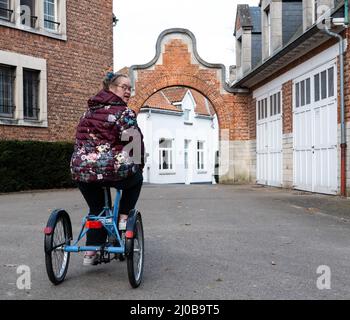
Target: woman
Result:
[[102, 154]]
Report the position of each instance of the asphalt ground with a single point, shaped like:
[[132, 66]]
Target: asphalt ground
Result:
[[201, 242]]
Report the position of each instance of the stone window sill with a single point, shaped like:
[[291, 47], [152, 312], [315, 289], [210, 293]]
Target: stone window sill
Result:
[[23, 123], [41, 32], [167, 172]]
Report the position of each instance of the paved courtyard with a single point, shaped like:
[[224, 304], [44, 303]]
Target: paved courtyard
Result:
[[201, 242]]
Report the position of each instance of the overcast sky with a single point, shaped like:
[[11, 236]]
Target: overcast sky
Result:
[[141, 22]]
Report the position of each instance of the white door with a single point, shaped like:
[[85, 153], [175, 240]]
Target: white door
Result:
[[269, 140], [315, 131]]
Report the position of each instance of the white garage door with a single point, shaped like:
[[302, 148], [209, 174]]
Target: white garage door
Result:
[[269, 140], [315, 131]]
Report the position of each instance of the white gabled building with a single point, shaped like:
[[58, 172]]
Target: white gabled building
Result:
[[180, 131]]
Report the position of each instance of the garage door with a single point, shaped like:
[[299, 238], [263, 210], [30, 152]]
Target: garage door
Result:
[[269, 140], [315, 131]]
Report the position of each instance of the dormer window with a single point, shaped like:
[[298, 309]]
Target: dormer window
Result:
[[239, 55], [248, 38], [187, 115], [188, 106], [268, 31]]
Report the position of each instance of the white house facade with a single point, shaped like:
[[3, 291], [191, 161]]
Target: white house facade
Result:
[[180, 132]]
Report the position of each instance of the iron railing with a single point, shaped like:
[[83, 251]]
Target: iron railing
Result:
[[51, 25], [6, 14]]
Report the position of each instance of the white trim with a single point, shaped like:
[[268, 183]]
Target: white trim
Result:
[[20, 61]]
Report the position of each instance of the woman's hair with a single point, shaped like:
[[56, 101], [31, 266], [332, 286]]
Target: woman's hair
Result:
[[111, 78]]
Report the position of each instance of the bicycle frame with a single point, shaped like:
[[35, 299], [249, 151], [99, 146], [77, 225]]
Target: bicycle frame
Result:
[[109, 220]]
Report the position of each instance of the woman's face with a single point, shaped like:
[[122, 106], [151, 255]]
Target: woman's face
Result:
[[122, 89]]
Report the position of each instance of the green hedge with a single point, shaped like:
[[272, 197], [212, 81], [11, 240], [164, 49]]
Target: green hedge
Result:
[[29, 165]]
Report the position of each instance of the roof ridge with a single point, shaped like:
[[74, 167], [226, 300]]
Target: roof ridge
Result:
[[163, 94]]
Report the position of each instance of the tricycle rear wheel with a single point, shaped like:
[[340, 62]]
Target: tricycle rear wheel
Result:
[[135, 253], [57, 235]]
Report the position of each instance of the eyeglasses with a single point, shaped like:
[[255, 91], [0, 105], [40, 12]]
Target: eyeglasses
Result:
[[124, 87]]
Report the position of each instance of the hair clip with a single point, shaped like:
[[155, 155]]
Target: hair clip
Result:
[[110, 75]]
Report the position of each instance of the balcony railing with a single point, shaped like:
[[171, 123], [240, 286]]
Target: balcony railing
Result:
[[51, 25], [33, 20], [6, 14]]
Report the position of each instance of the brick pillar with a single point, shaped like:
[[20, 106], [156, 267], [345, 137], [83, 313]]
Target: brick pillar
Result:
[[287, 137]]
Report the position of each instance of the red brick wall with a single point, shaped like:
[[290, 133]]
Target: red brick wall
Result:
[[287, 103], [347, 79], [75, 67], [178, 69], [252, 119]]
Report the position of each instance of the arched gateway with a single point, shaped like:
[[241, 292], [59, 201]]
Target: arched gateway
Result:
[[177, 63]]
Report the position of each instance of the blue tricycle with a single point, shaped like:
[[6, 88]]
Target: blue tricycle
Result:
[[127, 244]]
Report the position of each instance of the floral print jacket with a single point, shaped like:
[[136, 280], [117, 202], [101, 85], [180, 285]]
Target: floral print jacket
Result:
[[103, 150]]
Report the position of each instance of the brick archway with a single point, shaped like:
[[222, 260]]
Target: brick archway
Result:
[[188, 81], [177, 63]]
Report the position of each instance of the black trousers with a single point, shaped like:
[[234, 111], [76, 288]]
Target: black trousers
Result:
[[93, 193]]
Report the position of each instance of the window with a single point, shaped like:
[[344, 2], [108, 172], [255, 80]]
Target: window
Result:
[[165, 154], [262, 109], [317, 87], [28, 16], [187, 115], [7, 82], [303, 93], [331, 82], [239, 52], [200, 155], [269, 31], [50, 15], [275, 104], [270, 106], [186, 152], [31, 94], [324, 84], [23, 90], [5, 12], [314, 11], [43, 17]]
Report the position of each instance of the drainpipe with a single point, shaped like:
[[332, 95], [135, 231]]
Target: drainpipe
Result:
[[343, 22]]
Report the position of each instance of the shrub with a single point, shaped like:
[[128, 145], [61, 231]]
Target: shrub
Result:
[[29, 165]]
